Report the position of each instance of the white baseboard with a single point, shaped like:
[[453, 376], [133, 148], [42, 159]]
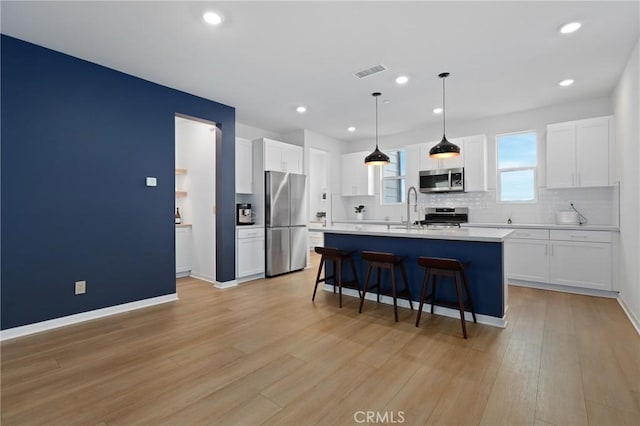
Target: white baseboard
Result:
[[565, 289], [206, 278], [225, 284], [12, 333], [634, 320], [183, 274], [248, 278], [440, 310]]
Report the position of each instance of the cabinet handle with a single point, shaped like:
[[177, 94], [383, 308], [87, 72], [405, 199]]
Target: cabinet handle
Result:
[[579, 236], [545, 250]]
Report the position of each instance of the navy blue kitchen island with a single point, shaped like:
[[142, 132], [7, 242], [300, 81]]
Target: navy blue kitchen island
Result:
[[482, 248]]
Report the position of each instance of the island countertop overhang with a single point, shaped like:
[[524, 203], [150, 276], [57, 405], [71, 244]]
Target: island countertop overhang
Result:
[[454, 234]]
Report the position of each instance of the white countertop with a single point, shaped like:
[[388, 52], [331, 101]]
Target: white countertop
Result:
[[459, 234], [542, 226]]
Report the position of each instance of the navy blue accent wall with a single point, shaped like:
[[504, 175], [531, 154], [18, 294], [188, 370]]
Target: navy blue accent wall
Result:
[[78, 140]]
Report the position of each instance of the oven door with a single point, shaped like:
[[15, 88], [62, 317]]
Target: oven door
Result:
[[435, 181]]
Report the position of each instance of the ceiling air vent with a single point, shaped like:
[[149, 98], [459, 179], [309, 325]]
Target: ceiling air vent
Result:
[[372, 70]]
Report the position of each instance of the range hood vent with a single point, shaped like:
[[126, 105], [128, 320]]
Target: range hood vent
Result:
[[369, 71]]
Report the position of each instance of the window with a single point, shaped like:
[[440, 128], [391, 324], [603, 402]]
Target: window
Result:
[[517, 164], [393, 178]]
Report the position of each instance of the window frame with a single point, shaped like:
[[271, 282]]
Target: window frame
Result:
[[499, 171], [393, 178]]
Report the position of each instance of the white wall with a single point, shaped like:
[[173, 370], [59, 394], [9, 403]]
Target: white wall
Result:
[[249, 132], [625, 103], [598, 205], [195, 151]]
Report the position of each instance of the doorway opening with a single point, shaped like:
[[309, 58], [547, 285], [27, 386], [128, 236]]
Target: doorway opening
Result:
[[195, 182]]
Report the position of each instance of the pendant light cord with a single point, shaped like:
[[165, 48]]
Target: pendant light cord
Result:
[[444, 110], [376, 122]]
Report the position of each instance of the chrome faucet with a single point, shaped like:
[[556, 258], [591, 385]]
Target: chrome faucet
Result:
[[415, 207]]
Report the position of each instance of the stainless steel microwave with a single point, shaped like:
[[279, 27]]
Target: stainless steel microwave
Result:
[[443, 180]]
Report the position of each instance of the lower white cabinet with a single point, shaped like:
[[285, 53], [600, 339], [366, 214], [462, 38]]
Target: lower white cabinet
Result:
[[316, 239], [527, 260], [581, 259], [249, 252], [183, 251], [573, 258]]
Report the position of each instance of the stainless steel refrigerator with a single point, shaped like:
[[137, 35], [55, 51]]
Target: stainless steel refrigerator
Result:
[[286, 222]]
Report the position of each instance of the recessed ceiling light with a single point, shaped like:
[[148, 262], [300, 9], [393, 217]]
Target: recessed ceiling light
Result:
[[351, 129], [570, 27], [402, 79], [212, 18], [301, 109], [565, 83], [437, 110]]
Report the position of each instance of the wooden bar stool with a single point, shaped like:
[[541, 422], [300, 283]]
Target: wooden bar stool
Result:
[[389, 262], [445, 267], [337, 258]]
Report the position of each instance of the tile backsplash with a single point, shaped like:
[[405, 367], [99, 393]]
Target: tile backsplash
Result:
[[599, 205]]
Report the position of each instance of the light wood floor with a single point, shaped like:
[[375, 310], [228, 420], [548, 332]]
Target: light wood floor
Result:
[[262, 353]]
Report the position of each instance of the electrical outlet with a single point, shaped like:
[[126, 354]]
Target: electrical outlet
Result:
[[81, 287]]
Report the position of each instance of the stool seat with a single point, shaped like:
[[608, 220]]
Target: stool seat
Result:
[[387, 261], [337, 257], [435, 267]]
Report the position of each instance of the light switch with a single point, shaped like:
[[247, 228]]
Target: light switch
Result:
[[151, 181]]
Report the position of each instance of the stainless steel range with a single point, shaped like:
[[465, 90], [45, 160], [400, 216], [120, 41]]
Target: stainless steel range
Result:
[[445, 216]]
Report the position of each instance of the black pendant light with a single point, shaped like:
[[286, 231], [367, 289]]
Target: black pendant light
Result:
[[377, 157], [444, 149]]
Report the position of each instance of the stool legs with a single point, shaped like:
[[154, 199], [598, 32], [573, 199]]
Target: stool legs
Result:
[[466, 288], [355, 275], [406, 284], [423, 294], [366, 286], [461, 304], [315, 288]]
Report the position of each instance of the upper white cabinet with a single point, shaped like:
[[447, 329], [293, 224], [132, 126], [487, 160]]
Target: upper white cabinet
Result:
[[579, 153], [473, 157], [475, 163], [428, 163], [282, 157], [357, 177], [244, 166]]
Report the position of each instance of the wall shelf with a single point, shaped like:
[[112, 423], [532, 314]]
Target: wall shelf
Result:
[[181, 194], [181, 171]]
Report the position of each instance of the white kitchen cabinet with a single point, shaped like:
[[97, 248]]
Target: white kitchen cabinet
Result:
[[579, 153], [357, 177], [473, 157], [527, 255], [244, 166], [428, 163], [316, 239], [581, 259], [282, 157], [572, 258], [413, 166], [475, 163], [249, 252], [183, 251]]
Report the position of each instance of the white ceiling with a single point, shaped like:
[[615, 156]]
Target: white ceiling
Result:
[[268, 57]]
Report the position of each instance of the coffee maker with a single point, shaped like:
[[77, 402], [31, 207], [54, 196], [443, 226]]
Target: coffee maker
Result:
[[244, 214]]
